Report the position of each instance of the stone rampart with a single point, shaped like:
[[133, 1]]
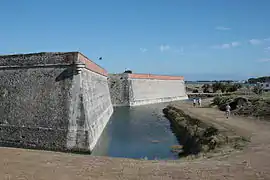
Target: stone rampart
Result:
[[54, 101], [119, 89], [141, 89]]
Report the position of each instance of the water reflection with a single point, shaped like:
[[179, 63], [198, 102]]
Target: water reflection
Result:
[[137, 132]]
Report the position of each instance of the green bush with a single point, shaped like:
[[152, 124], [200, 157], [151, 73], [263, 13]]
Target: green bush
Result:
[[258, 90], [226, 87], [206, 88], [220, 100], [195, 91], [217, 86]]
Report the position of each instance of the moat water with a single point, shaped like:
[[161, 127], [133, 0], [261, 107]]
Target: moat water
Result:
[[137, 132]]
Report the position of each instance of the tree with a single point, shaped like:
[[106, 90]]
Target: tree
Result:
[[216, 86], [195, 91], [206, 88], [259, 79], [238, 85], [223, 88], [128, 71], [231, 88], [258, 89]]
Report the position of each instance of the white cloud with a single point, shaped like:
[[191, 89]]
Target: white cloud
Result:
[[255, 41], [227, 45], [143, 50], [264, 60], [164, 48], [222, 28], [222, 46], [235, 44]]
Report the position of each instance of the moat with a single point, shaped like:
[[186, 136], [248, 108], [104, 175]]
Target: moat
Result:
[[137, 132]]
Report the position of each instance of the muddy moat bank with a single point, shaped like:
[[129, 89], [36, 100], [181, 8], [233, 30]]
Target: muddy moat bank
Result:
[[199, 136]]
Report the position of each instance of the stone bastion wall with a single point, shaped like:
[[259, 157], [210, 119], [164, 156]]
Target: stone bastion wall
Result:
[[140, 89], [53, 101]]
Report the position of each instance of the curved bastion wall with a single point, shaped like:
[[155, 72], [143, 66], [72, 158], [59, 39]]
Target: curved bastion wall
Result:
[[140, 89], [54, 101]]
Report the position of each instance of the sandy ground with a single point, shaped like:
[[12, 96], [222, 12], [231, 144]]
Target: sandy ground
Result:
[[250, 164]]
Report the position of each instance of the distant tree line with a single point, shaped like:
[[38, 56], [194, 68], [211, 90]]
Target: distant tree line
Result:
[[128, 71], [223, 87], [225, 81], [259, 79]]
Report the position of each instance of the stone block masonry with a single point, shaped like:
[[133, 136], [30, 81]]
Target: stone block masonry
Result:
[[53, 101], [140, 89], [119, 89]]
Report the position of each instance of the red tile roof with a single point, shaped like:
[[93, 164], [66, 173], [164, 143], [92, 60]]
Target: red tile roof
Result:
[[152, 76], [91, 65]]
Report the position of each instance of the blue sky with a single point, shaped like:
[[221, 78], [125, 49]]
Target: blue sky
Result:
[[210, 39]]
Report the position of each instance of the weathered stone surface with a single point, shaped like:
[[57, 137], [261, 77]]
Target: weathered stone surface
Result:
[[119, 89], [45, 102], [97, 105], [140, 89], [38, 59]]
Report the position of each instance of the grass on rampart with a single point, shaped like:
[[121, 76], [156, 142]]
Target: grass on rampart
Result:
[[196, 136]]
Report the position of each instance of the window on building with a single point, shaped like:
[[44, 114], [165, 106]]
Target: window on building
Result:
[[267, 85]]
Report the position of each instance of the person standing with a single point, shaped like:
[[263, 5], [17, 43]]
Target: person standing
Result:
[[228, 110]]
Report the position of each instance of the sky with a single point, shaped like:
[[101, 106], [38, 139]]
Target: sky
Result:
[[202, 40]]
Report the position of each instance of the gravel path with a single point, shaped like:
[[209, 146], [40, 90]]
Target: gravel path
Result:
[[251, 163]]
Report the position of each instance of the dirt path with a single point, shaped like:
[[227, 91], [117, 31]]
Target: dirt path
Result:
[[252, 163]]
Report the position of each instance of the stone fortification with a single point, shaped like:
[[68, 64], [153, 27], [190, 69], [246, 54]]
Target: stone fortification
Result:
[[56, 101], [140, 89], [119, 89]]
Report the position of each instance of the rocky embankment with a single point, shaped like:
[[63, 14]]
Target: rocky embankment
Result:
[[198, 136]]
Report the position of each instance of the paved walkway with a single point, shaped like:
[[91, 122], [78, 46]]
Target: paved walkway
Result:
[[250, 164]]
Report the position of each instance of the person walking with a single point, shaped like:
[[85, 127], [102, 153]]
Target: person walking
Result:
[[194, 102], [228, 110], [200, 102]]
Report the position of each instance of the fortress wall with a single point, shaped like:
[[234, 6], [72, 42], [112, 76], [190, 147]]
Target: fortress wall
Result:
[[49, 101], [119, 89], [149, 89], [140, 89], [95, 103]]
